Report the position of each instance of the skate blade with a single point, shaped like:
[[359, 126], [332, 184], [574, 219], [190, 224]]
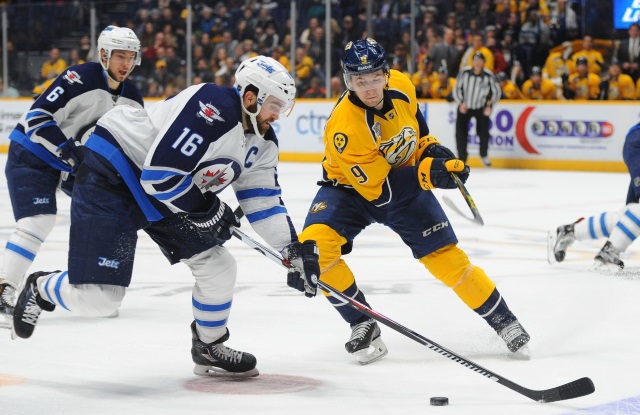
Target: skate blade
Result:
[[364, 356], [216, 372], [606, 269], [113, 315], [5, 324], [522, 353], [551, 243]]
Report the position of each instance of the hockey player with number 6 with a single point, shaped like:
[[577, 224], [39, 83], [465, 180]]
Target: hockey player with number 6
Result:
[[159, 170], [45, 147], [381, 166]]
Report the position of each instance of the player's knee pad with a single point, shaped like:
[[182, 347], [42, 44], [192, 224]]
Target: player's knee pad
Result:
[[452, 266], [36, 228], [215, 272], [333, 270]]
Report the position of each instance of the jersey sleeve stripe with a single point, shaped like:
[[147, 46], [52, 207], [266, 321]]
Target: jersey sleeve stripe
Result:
[[258, 192], [263, 214]]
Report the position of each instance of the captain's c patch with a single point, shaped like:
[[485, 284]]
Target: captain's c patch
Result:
[[340, 141]]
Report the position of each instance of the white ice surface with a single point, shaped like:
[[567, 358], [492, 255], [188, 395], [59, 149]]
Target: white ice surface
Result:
[[582, 323]]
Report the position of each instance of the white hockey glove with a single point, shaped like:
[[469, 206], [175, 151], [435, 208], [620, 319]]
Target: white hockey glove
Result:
[[306, 270], [217, 222]]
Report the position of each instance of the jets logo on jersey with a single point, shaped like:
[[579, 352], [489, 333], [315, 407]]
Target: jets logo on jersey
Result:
[[340, 141], [317, 207], [72, 77], [399, 148], [214, 178], [217, 174], [209, 113]]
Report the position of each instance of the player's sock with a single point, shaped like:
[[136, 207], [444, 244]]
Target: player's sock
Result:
[[498, 315]]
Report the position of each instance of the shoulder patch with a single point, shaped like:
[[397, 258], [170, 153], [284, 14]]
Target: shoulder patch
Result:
[[340, 141], [72, 77]]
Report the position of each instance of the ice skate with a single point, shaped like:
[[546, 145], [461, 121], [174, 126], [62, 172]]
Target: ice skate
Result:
[[486, 161], [7, 303], [516, 338], [29, 306], [364, 335], [559, 241], [608, 259], [216, 359]]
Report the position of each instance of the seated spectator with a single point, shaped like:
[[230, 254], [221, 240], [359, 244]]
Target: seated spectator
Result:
[[54, 66], [304, 69], [537, 87], [615, 85], [396, 64], [424, 78], [628, 53], [85, 48], [559, 63], [442, 86], [337, 86], [594, 57], [74, 58], [509, 89], [279, 55], [582, 85], [477, 46], [316, 90]]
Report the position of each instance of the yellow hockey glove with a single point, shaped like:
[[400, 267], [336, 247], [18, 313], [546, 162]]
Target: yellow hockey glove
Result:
[[436, 172]]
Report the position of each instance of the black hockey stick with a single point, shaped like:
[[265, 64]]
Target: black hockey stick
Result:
[[580, 387], [477, 219]]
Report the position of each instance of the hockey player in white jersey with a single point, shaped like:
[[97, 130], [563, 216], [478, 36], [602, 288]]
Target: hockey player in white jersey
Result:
[[45, 147], [159, 170], [620, 228]]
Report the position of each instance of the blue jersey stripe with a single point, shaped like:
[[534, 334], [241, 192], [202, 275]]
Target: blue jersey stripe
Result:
[[215, 323], [186, 183], [633, 218], [263, 214], [626, 231], [603, 225], [62, 276], [592, 231], [258, 192], [39, 151], [117, 159]]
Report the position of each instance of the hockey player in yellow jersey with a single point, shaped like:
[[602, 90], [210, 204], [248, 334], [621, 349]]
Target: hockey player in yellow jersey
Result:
[[582, 85], [536, 87], [615, 85], [509, 89], [381, 166]]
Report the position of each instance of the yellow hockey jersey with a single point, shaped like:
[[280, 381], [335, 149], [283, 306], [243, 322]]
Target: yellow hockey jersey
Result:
[[547, 90], [362, 145], [621, 88], [439, 91], [587, 87]]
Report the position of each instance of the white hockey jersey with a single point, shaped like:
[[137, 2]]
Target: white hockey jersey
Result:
[[69, 108], [173, 153]]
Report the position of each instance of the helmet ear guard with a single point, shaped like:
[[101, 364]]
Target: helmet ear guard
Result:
[[361, 57]]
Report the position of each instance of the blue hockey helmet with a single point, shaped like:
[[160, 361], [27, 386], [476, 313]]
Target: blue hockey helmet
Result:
[[362, 57]]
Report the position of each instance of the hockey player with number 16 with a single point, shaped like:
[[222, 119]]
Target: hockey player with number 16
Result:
[[159, 170], [46, 146]]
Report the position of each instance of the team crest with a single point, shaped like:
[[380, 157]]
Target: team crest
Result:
[[317, 207], [340, 141], [217, 175], [209, 113], [399, 148], [72, 77]]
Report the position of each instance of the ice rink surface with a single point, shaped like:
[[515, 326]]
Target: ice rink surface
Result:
[[582, 323]]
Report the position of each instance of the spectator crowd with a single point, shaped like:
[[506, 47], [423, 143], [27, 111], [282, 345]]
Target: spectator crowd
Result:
[[537, 49]]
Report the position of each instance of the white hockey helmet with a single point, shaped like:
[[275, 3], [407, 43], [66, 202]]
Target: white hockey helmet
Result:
[[270, 78], [118, 38]]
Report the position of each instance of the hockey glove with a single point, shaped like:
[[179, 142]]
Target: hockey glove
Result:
[[72, 153], [436, 172], [217, 222], [429, 146], [306, 270]]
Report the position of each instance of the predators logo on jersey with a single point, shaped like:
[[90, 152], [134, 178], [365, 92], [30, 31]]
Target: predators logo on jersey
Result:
[[400, 148], [340, 141], [317, 207]]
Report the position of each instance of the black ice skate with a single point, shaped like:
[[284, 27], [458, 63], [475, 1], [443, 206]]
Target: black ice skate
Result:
[[363, 335], [29, 306], [216, 359], [7, 303], [559, 241], [608, 259], [516, 338]]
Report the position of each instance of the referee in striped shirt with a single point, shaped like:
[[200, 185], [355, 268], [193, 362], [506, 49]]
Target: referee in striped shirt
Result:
[[476, 92]]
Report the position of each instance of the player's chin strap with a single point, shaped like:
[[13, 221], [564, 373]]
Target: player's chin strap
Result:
[[580, 387], [253, 119]]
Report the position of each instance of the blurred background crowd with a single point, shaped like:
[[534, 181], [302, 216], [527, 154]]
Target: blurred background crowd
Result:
[[541, 41]]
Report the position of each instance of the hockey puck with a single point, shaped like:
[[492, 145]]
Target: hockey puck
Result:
[[439, 401]]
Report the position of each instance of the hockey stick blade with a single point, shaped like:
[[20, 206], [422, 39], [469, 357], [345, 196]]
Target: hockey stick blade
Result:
[[447, 201], [571, 390], [467, 198]]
